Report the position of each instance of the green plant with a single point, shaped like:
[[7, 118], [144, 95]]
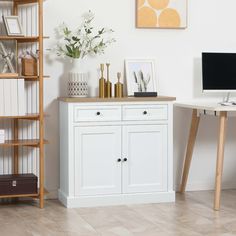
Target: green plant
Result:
[[84, 40]]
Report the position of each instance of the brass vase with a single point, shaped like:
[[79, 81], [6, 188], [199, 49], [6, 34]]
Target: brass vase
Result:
[[102, 83], [108, 83], [119, 87]]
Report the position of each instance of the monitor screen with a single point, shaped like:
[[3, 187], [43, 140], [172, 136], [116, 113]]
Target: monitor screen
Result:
[[219, 71]]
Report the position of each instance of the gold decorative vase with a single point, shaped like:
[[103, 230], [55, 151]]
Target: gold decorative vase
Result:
[[102, 83], [108, 83], [119, 87]]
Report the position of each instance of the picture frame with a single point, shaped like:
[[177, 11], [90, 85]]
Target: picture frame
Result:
[[13, 26], [7, 59], [156, 14], [140, 76]]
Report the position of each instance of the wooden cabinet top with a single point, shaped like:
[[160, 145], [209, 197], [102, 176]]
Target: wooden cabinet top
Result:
[[125, 99]]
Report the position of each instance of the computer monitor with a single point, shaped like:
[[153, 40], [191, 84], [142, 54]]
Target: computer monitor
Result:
[[219, 72]]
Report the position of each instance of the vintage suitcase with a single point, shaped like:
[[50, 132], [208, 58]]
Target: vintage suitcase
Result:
[[18, 184]]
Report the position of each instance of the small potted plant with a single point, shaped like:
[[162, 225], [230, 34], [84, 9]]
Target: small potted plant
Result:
[[80, 43]]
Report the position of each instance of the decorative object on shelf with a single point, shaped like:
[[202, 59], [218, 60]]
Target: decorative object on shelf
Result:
[[13, 26], [102, 83], [140, 75], [29, 63], [83, 41], [145, 94], [165, 14], [77, 83], [119, 87], [108, 83], [78, 79], [2, 136], [18, 184], [8, 59]]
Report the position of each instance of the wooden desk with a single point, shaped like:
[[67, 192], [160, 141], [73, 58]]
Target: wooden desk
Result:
[[223, 112]]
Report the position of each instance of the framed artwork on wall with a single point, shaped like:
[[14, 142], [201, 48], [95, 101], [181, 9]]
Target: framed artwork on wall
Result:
[[13, 26], [140, 75], [164, 14]]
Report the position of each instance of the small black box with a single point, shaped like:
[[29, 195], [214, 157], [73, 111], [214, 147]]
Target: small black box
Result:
[[18, 184], [145, 94]]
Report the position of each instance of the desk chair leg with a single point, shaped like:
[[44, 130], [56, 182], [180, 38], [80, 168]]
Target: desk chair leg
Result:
[[190, 147], [220, 158]]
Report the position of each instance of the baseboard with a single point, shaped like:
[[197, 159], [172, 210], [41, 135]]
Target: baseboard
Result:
[[120, 199], [205, 186]]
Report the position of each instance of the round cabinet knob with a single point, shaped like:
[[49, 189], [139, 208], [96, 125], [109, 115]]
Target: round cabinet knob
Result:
[[98, 113], [145, 112], [119, 160], [125, 159]]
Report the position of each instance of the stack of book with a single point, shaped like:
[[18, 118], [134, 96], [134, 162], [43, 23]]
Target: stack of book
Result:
[[12, 97]]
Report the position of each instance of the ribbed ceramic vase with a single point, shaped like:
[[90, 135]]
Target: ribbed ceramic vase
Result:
[[78, 79]]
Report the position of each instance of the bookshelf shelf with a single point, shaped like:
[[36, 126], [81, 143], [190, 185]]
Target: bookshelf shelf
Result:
[[25, 142], [20, 1], [23, 39], [9, 76], [35, 116], [38, 85], [17, 76], [36, 195]]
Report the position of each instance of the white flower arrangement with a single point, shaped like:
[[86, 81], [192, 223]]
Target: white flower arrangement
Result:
[[83, 41]]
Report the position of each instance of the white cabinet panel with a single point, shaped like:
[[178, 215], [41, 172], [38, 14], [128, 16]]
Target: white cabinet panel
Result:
[[97, 113], [145, 147], [145, 112], [97, 150]]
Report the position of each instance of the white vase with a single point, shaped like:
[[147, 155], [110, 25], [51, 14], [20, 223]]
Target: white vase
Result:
[[78, 79]]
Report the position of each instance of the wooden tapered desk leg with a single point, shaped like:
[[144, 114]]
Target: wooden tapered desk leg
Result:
[[190, 147], [220, 158]]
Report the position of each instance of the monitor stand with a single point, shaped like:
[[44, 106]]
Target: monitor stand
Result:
[[226, 101]]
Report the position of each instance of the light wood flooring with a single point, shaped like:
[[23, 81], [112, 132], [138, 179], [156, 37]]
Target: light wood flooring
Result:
[[192, 214]]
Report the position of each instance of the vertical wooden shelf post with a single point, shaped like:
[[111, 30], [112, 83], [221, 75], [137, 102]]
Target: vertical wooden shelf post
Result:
[[41, 102]]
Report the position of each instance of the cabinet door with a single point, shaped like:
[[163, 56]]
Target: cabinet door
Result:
[[97, 150], [145, 147]]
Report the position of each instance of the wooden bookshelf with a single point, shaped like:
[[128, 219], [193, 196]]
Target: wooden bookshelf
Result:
[[39, 143]]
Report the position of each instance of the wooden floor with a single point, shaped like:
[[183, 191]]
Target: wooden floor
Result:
[[190, 215]]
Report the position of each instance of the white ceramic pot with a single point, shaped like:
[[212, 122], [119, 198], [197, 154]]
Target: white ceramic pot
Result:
[[78, 79]]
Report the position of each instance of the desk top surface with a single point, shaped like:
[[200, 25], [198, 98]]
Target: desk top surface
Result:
[[204, 105]]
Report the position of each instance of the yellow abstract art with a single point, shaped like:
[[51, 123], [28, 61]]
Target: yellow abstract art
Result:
[[161, 13]]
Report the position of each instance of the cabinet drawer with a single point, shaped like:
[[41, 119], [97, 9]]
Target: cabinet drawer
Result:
[[142, 112], [97, 113]]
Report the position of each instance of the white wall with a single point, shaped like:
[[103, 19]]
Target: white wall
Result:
[[177, 52]]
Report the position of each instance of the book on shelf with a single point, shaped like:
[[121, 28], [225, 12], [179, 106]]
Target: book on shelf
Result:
[[7, 97], [1, 98], [21, 97], [12, 97]]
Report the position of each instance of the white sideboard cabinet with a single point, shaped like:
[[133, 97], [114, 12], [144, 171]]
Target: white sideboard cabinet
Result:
[[116, 151]]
